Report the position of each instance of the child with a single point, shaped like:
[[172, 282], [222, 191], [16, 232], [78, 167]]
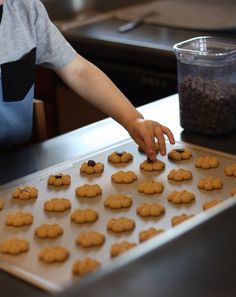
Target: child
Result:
[[29, 38]]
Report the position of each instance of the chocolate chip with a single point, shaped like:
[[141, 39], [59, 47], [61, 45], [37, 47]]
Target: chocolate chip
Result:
[[91, 163], [120, 153], [207, 106], [59, 175], [180, 150]]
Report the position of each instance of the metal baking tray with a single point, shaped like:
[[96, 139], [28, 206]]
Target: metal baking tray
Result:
[[56, 277]]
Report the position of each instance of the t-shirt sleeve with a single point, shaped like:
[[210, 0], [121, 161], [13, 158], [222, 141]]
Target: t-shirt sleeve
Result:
[[52, 49]]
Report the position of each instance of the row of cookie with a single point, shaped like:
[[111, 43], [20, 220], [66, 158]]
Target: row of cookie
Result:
[[125, 157], [146, 187], [203, 162], [92, 167], [88, 215], [80, 267], [50, 255], [119, 201], [87, 239], [177, 154], [84, 239]]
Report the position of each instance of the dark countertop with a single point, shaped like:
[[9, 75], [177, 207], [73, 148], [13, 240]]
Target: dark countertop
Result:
[[141, 62], [141, 46], [200, 262]]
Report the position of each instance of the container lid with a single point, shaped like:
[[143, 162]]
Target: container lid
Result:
[[206, 46]]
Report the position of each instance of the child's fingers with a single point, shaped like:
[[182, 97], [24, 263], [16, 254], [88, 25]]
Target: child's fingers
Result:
[[158, 132], [146, 138], [169, 134]]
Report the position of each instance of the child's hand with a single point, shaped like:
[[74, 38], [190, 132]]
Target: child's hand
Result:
[[144, 133]]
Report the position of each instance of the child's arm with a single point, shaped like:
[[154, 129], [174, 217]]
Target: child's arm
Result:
[[95, 87]]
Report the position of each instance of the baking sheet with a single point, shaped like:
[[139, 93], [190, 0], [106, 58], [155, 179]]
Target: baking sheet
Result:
[[55, 277]]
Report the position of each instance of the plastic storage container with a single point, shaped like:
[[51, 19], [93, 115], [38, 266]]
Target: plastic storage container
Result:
[[207, 84]]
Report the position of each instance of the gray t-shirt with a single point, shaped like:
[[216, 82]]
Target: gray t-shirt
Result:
[[27, 38]]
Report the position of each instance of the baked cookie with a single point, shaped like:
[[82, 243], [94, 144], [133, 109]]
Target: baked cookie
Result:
[[181, 197], [233, 192], [207, 162], [19, 219], [121, 224], [147, 234], [91, 167], [180, 154], [90, 239], [57, 204], [88, 191], [150, 210], [155, 146], [1, 204], [124, 177], [179, 219], [83, 267], [210, 183], [87, 215], [14, 246], [179, 175], [48, 231], [230, 170], [118, 201], [149, 165], [59, 179], [120, 248], [25, 193], [211, 203], [120, 157], [54, 254], [150, 187]]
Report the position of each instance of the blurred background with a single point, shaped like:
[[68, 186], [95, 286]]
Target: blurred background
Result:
[[62, 9]]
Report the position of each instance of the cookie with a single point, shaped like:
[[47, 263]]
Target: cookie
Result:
[[25, 193], [91, 167], [207, 162], [1, 204], [233, 192], [121, 224], [90, 239], [14, 246], [83, 267], [88, 191], [149, 165], [59, 179], [118, 201], [150, 187], [150, 210], [181, 197], [120, 248], [124, 177], [87, 215], [147, 234], [120, 157], [179, 175], [48, 231], [211, 203], [179, 219], [19, 219], [53, 254], [155, 146], [57, 204], [180, 154], [210, 183], [230, 170]]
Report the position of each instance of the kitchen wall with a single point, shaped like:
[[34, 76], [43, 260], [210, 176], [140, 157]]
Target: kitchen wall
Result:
[[64, 9]]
